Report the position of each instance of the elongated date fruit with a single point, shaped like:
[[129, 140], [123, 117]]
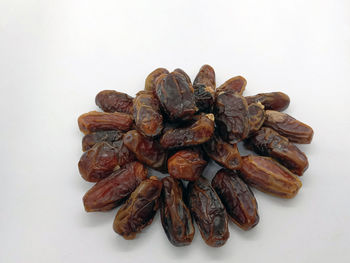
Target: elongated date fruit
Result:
[[256, 114], [235, 84], [139, 210], [204, 88], [205, 76], [237, 198], [175, 215], [208, 212], [267, 175], [112, 101], [268, 142], [112, 191], [287, 126], [147, 115], [100, 121], [186, 164], [278, 101], [197, 133], [150, 83]]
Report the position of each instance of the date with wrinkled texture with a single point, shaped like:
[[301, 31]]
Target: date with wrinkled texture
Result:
[[174, 213], [139, 210], [205, 76], [204, 88], [208, 212], [235, 84], [287, 126], [237, 198], [256, 114], [268, 142], [267, 175], [178, 70], [112, 191], [278, 101], [113, 101], [150, 83]]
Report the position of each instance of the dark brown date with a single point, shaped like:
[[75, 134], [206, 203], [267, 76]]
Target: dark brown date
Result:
[[237, 198], [147, 115], [175, 216], [139, 210], [287, 126], [112, 137], [235, 84], [178, 70], [205, 76], [113, 101], [112, 191], [278, 101], [204, 88], [150, 83], [208, 212], [186, 164], [100, 121], [197, 133], [267, 175], [256, 117]]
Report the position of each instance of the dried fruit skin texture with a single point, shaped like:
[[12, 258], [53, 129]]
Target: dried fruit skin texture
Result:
[[150, 83], [256, 117], [178, 70], [186, 164], [147, 116], [208, 212], [268, 142], [111, 191], [267, 175], [278, 101], [205, 76], [235, 84], [175, 216], [287, 126], [139, 210], [100, 121], [113, 101]]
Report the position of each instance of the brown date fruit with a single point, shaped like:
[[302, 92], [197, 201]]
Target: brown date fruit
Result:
[[150, 83], [235, 84], [237, 198], [208, 212], [112, 191], [256, 117], [267, 175], [205, 76], [268, 142], [231, 116], [223, 153], [204, 88], [139, 210], [100, 121], [186, 164], [113, 101], [197, 133], [175, 215], [98, 162], [146, 150], [287, 126], [147, 115], [178, 70], [176, 96], [278, 101]]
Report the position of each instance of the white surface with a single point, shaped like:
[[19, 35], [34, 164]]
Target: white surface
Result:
[[56, 55]]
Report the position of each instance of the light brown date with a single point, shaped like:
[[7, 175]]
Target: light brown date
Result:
[[150, 83], [235, 84], [256, 117]]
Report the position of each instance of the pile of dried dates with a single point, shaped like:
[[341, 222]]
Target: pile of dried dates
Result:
[[175, 126]]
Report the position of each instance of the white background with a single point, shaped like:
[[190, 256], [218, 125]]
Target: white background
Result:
[[56, 55]]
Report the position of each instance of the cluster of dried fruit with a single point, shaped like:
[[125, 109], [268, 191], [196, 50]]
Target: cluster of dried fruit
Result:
[[175, 126]]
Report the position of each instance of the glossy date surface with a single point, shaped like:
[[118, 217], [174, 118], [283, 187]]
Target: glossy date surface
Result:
[[114, 101]]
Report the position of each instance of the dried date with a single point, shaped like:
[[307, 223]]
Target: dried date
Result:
[[205, 76], [235, 84], [178, 70], [278, 101], [256, 117], [113, 101], [204, 88], [150, 83]]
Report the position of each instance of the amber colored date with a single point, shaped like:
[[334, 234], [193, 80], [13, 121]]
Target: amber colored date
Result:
[[256, 117], [175, 216], [113, 101], [237, 198], [99, 121], [139, 210], [205, 76], [208, 212], [287, 126], [278, 101], [268, 142], [235, 84], [112, 191], [150, 83], [267, 175], [186, 164]]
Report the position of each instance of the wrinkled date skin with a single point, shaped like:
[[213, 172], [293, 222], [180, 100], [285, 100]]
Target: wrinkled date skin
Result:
[[204, 88], [287, 126], [98, 162], [100, 121], [208, 212], [175, 216], [235, 84], [205, 76], [223, 153], [113, 101], [176, 96], [268, 142], [139, 210], [188, 79], [146, 150], [197, 133], [186, 164], [237, 198], [267, 175], [150, 83], [147, 115], [256, 117], [278, 101], [231, 116], [112, 191]]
